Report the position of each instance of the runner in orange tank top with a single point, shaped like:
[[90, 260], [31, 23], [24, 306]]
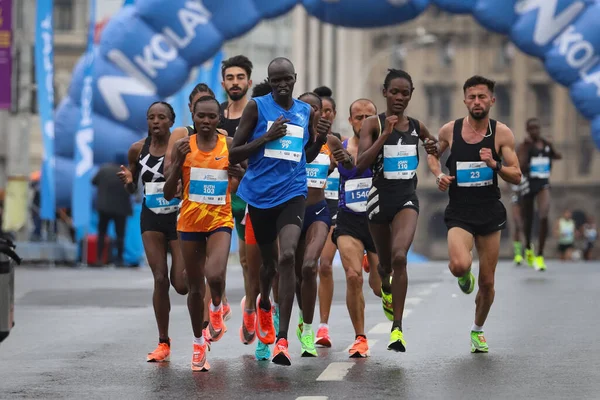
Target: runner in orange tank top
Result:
[[205, 222]]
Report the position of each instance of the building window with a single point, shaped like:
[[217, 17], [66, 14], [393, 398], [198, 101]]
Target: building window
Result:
[[439, 101], [63, 15], [503, 102], [543, 100]]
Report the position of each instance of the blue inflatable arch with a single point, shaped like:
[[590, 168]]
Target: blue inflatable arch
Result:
[[147, 51]]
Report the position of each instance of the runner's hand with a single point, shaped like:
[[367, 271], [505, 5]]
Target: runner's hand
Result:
[[444, 181], [277, 130], [182, 148], [390, 123], [431, 146], [341, 156], [486, 155], [323, 128], [236, 171], [125, 175]]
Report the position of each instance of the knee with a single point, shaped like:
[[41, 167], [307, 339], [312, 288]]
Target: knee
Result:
[[309, 269], [197, 288], [399, 260], [354, 279], [161, 282], [459, 265], [215, 280], [325, 269], [486, 285], [287, 258]]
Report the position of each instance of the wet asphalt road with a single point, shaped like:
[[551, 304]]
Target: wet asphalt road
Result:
[[85, 333]]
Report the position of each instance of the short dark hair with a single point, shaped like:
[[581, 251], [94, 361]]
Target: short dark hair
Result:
[[207, 98], [164, 103], [358, 100], [326, 94], [240, 61], [201, 88], [262, 89], [530, 120], [397, 73], [316, 96], [479, 80]]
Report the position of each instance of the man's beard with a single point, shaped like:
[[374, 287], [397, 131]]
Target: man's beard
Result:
[[479, 116], [238, 96]]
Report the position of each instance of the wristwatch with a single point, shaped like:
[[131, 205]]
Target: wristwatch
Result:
[[498, 166]]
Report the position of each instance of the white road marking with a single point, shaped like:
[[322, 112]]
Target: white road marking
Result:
[[312, 398], [413, 300], [381, 328], [435, 285], [336, 371], [424, 292]]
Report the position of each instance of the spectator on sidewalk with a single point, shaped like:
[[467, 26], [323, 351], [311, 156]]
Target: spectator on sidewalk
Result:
[[565, 230], [113, 203]]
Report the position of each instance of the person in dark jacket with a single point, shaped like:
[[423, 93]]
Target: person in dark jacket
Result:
[[113, 203]]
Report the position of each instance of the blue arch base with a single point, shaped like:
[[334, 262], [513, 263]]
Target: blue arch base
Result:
[[173, 37]]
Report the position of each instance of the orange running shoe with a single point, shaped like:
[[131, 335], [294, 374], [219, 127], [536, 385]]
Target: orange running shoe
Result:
[[323, 338], [247, 330], [199, 363], [226, 311], [366, 265], [265, 330], [216, 325], [280, 353], [161, 354], [360, 348], [206, 335]]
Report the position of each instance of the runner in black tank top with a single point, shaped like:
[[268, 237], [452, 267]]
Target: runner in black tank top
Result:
[[475, 214], [389, 146], [158, 218], [536, 155]]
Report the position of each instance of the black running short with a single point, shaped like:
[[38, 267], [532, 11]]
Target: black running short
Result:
[[318, 212], [163, 223], [354, 225], [478, 220], [536, 186], [383, 209], [333, 210], [267, 223]]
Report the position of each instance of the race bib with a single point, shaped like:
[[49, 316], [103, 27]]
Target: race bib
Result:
[[316, 171], [400, 161], [289, 147], [539, 168], [473, 174], [332, 186], [357, 194], [208, 186], [155, 199]]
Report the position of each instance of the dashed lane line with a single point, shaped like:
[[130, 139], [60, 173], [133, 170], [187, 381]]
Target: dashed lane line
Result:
[[335, 371]]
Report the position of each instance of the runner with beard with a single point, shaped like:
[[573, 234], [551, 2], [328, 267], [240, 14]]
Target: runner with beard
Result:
[[481, 149]]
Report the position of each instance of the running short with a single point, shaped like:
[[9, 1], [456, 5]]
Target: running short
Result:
[[250, 238], [333, 210], [201, 236], [315, 213], [382, 210], [564, 247], [536, 186], [238, 209], [270, 221], [478, 220], [163, 223], [353, 225]]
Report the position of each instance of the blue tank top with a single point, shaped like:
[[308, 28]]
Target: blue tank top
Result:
[[355, 198], [277, 172]]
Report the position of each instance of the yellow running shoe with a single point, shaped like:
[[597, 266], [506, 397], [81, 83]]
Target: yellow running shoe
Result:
[[529, 256], [539, 263], [397, 342]]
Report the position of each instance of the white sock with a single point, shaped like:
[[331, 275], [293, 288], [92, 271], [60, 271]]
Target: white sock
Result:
[[214, 308], [300, 313], [477, 328], [199, 340], [322, 325], [306, 328]]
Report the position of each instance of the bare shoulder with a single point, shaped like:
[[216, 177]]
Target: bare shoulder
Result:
[[446, 131], [137, 146], [222, 132], [178, 133], [504, 134], [229, 141]]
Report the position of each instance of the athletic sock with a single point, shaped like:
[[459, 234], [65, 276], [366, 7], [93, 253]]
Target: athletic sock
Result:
[[306, 328], [477, 328], [199, 340]]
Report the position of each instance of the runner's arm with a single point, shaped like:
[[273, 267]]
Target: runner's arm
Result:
[[510, 170], [177, 134], [172, 180], [433, 161], [132, 156], [553, 153], [367, 149], [240, 149], [335, 145], [523, 156], [315, 141]]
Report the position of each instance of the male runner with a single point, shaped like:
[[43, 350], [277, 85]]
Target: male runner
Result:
[[351, 233], [481, 149], [518, 191], [276, 135], [535, 156]]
